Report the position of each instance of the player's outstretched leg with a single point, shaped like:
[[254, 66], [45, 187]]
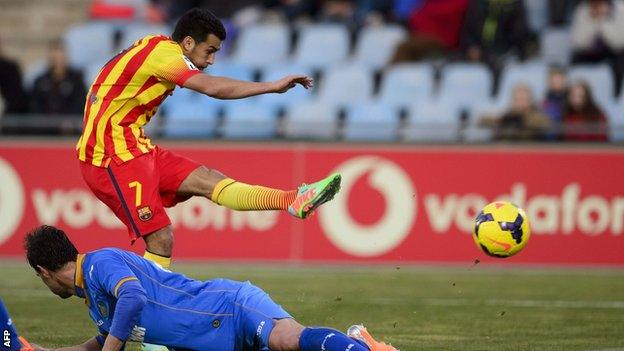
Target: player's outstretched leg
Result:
[[245, 197], [356, 339], [359, 332]]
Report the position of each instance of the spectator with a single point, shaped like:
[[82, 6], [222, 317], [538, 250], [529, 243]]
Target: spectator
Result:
[[435, 29], [11, 89], [555, 99], [560, 11], [522, 121], [583, 120], [598, 34], [60, 89], [495, 30], [340, 11]]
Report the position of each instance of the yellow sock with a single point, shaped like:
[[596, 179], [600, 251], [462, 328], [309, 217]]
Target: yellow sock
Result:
[[245, 197], [164, 262]]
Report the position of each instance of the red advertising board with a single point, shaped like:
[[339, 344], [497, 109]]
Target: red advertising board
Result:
[[397, 204]]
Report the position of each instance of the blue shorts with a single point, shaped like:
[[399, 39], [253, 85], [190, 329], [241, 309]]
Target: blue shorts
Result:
[[255, 315]]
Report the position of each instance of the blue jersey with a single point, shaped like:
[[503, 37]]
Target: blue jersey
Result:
[[181, 313]]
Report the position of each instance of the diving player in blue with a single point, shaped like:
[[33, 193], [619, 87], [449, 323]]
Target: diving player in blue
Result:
[[133, 299], [11, 341]]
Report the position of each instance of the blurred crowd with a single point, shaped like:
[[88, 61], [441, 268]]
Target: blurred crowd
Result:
[[493, 32]]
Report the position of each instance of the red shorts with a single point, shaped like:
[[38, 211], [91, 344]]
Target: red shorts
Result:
[[138, 191]]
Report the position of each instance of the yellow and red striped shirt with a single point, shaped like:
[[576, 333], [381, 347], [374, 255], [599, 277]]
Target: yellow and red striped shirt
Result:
[[125, 95]]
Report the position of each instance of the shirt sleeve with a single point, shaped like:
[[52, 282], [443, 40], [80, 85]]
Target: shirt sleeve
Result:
[[111, 272], [169, 64]]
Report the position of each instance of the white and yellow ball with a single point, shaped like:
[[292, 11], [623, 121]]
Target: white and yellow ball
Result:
[[501, 229]]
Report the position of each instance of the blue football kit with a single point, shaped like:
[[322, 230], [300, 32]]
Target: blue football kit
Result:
[[10, 338], [174, 310]]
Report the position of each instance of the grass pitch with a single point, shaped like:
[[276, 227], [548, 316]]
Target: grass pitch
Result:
[[414, 308]]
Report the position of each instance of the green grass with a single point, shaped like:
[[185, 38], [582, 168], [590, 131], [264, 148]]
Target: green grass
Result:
[[414, 308]]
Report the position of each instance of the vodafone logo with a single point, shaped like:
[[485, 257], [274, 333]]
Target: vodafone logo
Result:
[[395, 224], [11, 200]]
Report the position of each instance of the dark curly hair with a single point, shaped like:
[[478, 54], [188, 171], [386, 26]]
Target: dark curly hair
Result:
[[49, 247], [198, 24]]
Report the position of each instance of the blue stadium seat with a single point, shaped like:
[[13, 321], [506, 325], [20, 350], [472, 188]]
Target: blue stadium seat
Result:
[[376, 45], [231, 70], [432, 121], [322, 45], [600, 79], [189, 115], [406, 84], [89, 42], [371, 122], [465, 84], [533, 74], [346, 85], [475, 133], [92, 70], [249, 121], [537, 14], [32, 72], [312, 120], [293, 96], [615, 116], [556, 45], [134, 32], [261, 45]]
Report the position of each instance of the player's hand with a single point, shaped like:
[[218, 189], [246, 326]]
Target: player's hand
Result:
[[289, 82]]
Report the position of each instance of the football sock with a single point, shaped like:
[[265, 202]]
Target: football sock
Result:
[[164, 262], [325, 339], [244, 197]]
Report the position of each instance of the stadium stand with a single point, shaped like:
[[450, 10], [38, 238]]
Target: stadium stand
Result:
[[406, 84], [352, 69], [371, 122], [272, 40], [322, 45]]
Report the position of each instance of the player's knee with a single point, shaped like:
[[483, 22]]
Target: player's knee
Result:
[[285, 335], [160, 242]]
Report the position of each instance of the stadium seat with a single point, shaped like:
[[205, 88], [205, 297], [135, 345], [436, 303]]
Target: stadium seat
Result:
[[615, 116], [293, 96], [465, 84], [312, 120], [189, 115], [376, 45], [321, 45], [556, 46], [249, 121], [371, 122], [134, 32], [473, 132], [89, 42], [32, 72], [92, 70], [261, 45], [231, 70], [536, 14], [600, 79], [346, 85], [534, 74], [432, 121], [406, 84]]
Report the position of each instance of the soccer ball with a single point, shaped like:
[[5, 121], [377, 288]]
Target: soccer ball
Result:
[[501, 229]]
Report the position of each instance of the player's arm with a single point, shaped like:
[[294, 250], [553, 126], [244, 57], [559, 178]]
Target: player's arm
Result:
[[227, 88], [115, 277]]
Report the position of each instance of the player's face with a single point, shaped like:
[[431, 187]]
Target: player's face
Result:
[[202, 54], [49, 279]]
